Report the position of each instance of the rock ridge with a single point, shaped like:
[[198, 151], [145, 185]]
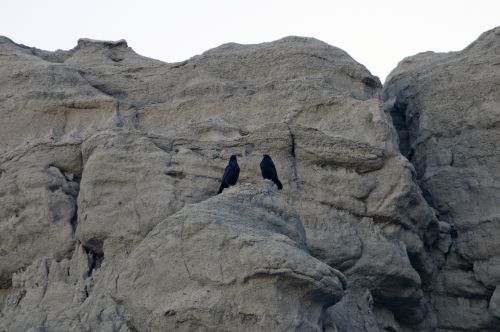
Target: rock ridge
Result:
[[110, 162], [445, 108]]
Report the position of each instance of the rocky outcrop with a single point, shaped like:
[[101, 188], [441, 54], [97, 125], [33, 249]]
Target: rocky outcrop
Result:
[[236, 261], [240, 262], [446, 110], [110, 163], [38, 200]]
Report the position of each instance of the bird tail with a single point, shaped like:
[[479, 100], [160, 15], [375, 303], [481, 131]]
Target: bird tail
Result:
[[222, 186], [280, 186]]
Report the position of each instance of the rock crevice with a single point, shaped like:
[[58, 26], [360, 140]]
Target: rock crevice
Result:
[[445, 109]]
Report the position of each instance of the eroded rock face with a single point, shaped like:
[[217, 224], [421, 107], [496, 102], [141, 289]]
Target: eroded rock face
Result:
[[128, 152], [38, 189], [62, 295], [446, 108], [234, 262]]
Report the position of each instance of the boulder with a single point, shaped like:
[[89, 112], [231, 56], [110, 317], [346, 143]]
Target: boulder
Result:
[[234, 262]]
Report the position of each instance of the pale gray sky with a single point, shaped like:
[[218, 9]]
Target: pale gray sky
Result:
[[376, 33]]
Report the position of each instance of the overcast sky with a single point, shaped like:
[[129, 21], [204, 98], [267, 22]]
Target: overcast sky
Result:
[[378, 34]]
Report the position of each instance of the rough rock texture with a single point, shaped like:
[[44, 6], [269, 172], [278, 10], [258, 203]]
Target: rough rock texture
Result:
[[236, 261], [110, 161], [446, 108], [38, 205]]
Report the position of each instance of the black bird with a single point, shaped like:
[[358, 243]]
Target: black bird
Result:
[[269, 171], [231, 173]]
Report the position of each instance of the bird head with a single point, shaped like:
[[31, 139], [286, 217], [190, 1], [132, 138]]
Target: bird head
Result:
[[233, 157]]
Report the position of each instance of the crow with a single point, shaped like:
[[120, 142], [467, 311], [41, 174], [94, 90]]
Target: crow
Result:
[[269, 171], [231, 173]]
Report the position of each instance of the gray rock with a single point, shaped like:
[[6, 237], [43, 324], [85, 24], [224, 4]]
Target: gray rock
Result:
[[478, 242], [37, 210], [354, 312], [54, 296], [460, 283], [445, 109], [449, 106], [125, 191], [488, 271], [494, 306], [385, 319], [458, 313], [236, 261], [118, 229], [233, 262]]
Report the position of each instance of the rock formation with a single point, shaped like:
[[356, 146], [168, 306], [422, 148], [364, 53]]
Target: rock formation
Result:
[[446, 108], [110, 162]]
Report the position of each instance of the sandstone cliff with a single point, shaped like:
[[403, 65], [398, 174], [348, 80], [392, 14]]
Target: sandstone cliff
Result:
[[446, 108], [110, 161]]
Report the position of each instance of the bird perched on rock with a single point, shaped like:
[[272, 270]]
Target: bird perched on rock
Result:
[[231, 173], [269, 171]]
